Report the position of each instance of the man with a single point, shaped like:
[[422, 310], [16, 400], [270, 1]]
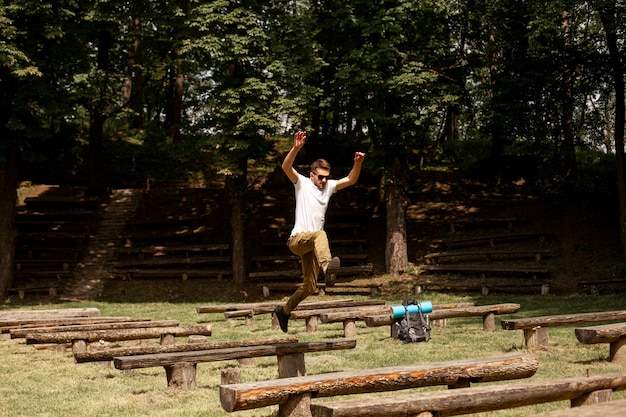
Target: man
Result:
[[308, 238]]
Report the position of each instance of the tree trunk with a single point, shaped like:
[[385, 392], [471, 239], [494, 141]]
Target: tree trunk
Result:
[[8, 231], [97, 119], [396, 256], [236, 187], [567, 122], [607, 12]]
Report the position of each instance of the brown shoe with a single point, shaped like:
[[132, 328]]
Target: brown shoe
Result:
[[329, 275]]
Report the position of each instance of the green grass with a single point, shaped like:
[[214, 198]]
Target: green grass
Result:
[[48, 383]]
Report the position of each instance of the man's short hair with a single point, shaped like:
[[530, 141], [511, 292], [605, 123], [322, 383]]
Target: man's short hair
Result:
[[320, 163]]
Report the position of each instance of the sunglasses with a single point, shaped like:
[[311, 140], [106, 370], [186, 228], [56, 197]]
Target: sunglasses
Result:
[[322, 177]]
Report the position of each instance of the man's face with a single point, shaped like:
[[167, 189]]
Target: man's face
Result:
[[320, 177]]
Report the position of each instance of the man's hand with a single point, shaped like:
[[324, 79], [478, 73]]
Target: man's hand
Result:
[[359, 157], [298, 140]]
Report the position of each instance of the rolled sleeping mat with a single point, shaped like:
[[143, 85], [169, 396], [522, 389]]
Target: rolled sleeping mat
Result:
[[397, 312]]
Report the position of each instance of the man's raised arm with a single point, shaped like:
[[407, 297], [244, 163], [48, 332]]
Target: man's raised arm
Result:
[[298, 142]]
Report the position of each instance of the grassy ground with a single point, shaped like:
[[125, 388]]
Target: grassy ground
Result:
[[48, 383]]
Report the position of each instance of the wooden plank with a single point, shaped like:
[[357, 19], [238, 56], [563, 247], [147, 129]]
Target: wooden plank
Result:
[[472, 400], [117, 334], [109, 354], [235, 397], [607, 333], [21, 333], [297, 273], [166, 359], [606, 409], [176, 273], [563, 320]]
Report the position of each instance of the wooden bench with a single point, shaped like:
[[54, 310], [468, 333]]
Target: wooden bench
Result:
[[290, 359], [536, 328], [51, 290], [374, 289], [27, 264], [44, 252], [484, 270], [108, 354], [484, 286], [614, 334], [9, 325], [165, 250], [487, 312], [595, 286], [294, 260], [291, 274], [176, 273], [80, 339], [537, 254], [508, 222], [491, 239], [312, 316], [268, 307], [21, 333], [604, 409], [580, 391], [349, 317], [26, 315], [166, 263], [293, 395], [67, 203]]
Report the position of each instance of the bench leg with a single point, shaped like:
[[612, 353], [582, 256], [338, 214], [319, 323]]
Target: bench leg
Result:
[[594, 397], [296, 406], [489, 322], [311, 324], [536, 337], [618, 350], [349, 328], [181, 376], [291, 365]]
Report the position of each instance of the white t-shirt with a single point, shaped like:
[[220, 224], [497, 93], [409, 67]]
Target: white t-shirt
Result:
[[311, 204]]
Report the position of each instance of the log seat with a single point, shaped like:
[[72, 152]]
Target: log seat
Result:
[[614, 334]]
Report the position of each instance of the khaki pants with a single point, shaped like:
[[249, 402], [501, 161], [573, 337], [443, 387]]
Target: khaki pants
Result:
[[313, 249]]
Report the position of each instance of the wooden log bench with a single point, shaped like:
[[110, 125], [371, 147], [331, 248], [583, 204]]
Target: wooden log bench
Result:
[[487, 312], [351, 316], [261, 261], [488, 255], [312, 316], [175, 250], [484, 286], [580, 391], [293, 395], [492, 240], [65, 203], [174, 273], [50, 289], [28, 264], [290, 359], [81, 340], [108, 354], [374, 289], [170, 263], [605, 409], [614, 334], [268, 307], [9, 325], [536, 328], [484, 270], [508, 222], [21, 333], [26, 315], [595, 286], [45, 252]]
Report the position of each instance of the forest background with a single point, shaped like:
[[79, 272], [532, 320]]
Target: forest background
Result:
[[112, 93]]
